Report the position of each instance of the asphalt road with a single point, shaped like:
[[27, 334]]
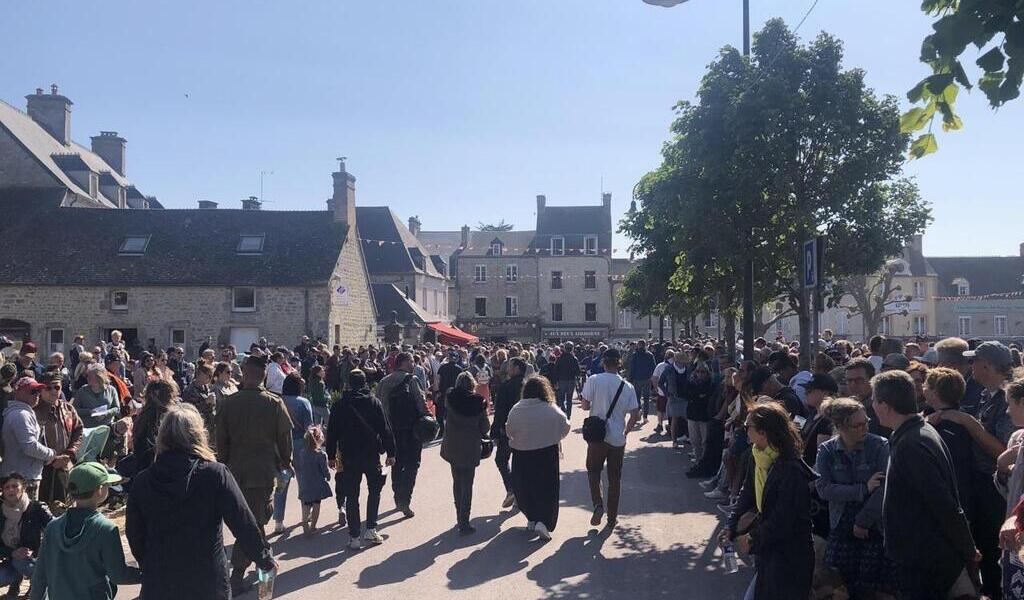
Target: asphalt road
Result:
[[660, 548]]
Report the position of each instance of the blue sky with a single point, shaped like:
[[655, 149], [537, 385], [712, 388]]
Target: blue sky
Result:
[[458, 111]]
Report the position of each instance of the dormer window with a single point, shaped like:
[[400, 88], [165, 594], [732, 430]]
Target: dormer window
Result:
[[963, 287], [558, 246], [590, 245], [133, 245], [497, 248], [250, 244], [94, 185]]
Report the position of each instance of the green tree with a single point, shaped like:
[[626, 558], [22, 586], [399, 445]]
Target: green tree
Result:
[[996, 29], [499, 226]]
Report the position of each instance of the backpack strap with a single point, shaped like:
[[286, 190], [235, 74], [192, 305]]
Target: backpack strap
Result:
[[615, 400]]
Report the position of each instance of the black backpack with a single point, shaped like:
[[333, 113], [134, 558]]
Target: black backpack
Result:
[[402, 406]]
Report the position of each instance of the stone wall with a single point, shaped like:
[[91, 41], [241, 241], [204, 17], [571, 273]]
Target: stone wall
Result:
[[353, 323]]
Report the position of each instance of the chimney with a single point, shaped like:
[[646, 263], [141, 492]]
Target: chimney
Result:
[[209, 204], [343, 203], [251, 203], [606, 199], [52, 112], [414, 225], [465, 236], [1022, 250], [542, 201], [110, 147]]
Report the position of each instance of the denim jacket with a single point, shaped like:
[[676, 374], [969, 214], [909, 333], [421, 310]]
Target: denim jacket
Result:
[[844, 477]]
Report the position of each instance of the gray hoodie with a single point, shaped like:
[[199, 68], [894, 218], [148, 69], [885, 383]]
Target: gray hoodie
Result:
[[24, 451]]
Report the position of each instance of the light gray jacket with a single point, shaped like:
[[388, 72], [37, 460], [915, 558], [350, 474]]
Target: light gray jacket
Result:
[[24, 451], [534, 424]]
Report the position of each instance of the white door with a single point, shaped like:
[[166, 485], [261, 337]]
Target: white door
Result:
[[244, 337]]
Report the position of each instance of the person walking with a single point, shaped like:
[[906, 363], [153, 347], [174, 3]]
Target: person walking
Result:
[[176, 512], [301, 413], [927, 535], [254, 440], [567, 370], [467, 425], [641, 370], [778, 489], [358, 427], [159, 397], [314, 486], [611, 398], [535, 427], [510, 392], [404, 406]]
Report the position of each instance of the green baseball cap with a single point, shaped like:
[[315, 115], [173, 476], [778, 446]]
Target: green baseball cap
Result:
[[88, 477]]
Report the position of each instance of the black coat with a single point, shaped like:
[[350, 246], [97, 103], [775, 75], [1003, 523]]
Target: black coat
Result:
[[30, 534], [175, 511], [781, 540], [926, 532], [510, 392], [346, 433]]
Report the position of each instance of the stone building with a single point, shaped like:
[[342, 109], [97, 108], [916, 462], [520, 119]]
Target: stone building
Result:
[[548, 284], [179, 277], [37, 151]]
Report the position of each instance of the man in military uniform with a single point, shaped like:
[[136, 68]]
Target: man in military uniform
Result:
[[254, 439]]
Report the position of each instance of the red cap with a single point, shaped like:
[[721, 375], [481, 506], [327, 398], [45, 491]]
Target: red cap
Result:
[[28, 348], [28, 382]]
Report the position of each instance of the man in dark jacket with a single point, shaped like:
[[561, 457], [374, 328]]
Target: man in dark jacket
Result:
[[403, 403], [510, 392], [62, 433], [641, 369], [357, 427], [926, 532], [567, 370], [447, 373]]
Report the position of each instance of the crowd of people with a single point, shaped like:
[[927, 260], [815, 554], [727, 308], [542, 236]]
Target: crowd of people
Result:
[[897, 460]]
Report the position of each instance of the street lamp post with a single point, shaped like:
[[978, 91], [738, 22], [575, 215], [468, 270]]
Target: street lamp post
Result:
[[748, 268]]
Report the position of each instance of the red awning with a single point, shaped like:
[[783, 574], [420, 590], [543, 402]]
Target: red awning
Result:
[[447, 334]]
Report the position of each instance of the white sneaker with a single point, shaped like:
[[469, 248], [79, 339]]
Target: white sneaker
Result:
[[510, 499], [542, 531], [355, 544], [532, 525], [370, 536], [709, 484], [716, 495], [278, 526]]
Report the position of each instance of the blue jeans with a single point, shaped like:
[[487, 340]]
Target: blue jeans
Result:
[[16, 570], [320, 414], [643, 394], [563, 395], [282, 483]]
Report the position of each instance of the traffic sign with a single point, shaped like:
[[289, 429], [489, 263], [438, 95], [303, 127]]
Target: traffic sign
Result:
[[810, 265]]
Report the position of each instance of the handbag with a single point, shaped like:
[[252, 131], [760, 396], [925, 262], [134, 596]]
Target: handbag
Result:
[[486, 448], [596, 428]]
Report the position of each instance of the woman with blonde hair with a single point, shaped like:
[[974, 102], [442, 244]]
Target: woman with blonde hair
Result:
[[97, 402], [176, 512], [78, 379]]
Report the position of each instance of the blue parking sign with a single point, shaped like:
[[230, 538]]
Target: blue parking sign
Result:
[[810, 264]]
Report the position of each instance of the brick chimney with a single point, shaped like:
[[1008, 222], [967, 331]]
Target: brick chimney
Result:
[[343, 202], [251, 203], [52, 112], [542, 201], [414, 225], [1022, 250], [465, 236], [606, 199], [208, 204], [110, 148]]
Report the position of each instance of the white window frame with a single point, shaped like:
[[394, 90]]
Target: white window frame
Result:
[[560, 278], [113, 302], [511, 306], [963, 326], [480, 274], [55, 346], [996, 320], [587, 239], [511, 273], [560, 314], [585, 305], [919, 287], [184, 337], [963, 287], [920, 325], [234, 300], [625, 319], [475, 311], [885, 325], [586, 280], [561, 246], [496, 248]]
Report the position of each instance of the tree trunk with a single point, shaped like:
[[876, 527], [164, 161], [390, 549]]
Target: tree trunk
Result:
[[730, 334], [804, 318]]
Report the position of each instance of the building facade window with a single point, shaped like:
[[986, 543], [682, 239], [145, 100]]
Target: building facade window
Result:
[[964, 326], [625, 319], [558, 246], [480, 307], [119, 300], [1000, 323], [918, 289], [590, 245], [56, 340], [963, 287], [496, 249], [920, 325], [842, 323], [511, 273], [556, 280], [511, 306], [590, 312], [337, 334], [590, 280], [556, 312], [178, 338], [885, 327], [711, 320], [133, 245], [479, 273], [243, 299], [250, 244]]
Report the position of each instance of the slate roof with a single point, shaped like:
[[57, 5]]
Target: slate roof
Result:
[[389, 246], [444, 243], [79, 246], [515, 243], [389, 298], [985, 274], [48, 151], [562, 220]]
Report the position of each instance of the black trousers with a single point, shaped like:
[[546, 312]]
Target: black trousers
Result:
[[352, 477], [535, 479], [989, 507], [503, 458], [462, 490], [408, 453]]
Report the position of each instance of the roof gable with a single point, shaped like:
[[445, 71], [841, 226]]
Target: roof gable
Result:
[[985, 274], [389, 246]]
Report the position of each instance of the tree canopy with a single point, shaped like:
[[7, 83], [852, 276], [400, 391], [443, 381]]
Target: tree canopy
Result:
[[499, 226]]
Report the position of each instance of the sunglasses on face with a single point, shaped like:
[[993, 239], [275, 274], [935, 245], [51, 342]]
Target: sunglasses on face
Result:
[[54, 387]]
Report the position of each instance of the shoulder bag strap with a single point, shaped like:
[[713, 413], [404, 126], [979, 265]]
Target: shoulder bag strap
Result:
[[615, 400], [362, 420]]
